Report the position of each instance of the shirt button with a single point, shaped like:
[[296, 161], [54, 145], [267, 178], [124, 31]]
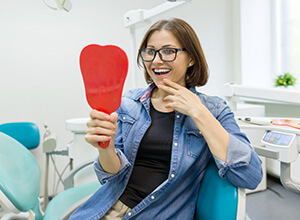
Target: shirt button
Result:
[[152, 197], [177, 116], [172, 175], [124, 118], [129, 213], [175, 144]]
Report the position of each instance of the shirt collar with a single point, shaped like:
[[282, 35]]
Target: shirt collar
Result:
[[147, 94]]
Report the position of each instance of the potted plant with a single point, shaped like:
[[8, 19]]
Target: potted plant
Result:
[[285, 80]]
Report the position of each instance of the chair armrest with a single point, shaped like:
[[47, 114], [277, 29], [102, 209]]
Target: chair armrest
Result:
[[72, 209], [241, 208], [65, 202]]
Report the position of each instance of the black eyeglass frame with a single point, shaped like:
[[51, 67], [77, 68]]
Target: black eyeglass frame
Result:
[[160, 55]]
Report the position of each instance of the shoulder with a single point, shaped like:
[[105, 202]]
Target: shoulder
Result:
[[209, 101], [214, 104], [134, 94], [130, 103], [140, 94]]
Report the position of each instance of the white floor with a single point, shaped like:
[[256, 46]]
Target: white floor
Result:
[[275, 203]]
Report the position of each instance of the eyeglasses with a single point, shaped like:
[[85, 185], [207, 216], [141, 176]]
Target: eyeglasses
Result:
[[165, 54]]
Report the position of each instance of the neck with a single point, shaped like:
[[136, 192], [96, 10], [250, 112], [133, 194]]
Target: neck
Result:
[[158, 102], [158, 94]]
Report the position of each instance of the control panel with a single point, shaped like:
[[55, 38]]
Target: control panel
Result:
[[284, 143]]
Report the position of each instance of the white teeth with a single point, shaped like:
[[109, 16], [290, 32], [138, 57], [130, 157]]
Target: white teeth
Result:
[[161, 70]]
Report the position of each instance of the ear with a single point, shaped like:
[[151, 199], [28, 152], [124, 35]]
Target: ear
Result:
[[191, 63]]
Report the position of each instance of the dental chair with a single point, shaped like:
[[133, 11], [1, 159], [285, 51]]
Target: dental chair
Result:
[[20, 183], [27, 133]]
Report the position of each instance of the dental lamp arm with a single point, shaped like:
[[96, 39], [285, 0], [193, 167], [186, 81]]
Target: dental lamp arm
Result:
[[134, 17]]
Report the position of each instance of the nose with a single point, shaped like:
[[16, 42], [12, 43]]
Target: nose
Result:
[[157, 58]]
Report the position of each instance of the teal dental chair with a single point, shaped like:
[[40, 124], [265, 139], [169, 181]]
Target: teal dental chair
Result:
[[20, 183]]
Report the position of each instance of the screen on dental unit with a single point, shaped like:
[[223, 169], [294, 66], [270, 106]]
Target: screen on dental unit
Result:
[[278, 138]]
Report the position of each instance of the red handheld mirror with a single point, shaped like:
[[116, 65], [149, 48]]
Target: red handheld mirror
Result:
[[104, 70]]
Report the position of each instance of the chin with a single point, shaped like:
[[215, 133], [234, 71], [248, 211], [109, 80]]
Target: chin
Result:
[[159, 82]]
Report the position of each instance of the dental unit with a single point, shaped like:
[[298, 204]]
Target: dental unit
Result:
[[281, 134]]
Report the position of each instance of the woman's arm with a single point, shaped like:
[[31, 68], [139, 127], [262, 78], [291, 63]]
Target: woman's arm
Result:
[[232, 151], [216, 136]]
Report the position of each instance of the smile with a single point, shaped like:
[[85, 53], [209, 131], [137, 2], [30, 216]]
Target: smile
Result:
[[161, 71]]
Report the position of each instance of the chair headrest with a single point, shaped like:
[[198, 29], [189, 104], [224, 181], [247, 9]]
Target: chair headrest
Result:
[[27, 133]]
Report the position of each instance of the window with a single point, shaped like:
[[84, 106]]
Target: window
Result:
[[287, 38]]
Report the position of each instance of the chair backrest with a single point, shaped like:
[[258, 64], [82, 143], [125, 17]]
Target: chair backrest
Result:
[[19, 175], [218, 198], [27, 133]]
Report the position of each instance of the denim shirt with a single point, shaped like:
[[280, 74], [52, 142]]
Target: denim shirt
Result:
[[176, 197]]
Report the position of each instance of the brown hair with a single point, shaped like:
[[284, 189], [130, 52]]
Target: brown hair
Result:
[[197, 75]]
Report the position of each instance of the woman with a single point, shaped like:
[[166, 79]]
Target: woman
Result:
[[162, 138]]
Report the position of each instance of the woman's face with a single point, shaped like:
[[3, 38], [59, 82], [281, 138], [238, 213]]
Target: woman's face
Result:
[[159, 69]]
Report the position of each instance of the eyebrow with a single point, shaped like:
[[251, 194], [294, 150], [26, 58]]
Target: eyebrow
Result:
[[164, 46]]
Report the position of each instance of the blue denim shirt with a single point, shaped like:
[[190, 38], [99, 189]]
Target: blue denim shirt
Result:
[[175, 198]]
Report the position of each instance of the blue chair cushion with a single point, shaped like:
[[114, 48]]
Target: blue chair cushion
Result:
[[217, 198], [27, 133]]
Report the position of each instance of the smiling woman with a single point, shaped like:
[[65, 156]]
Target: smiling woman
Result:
[[193, 47], [163, 137], [156, 65]]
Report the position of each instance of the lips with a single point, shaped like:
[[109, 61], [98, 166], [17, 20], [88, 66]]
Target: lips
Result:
[[160, 71]]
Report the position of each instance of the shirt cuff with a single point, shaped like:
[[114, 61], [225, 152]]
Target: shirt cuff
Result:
[[238, 154], [103, 176]]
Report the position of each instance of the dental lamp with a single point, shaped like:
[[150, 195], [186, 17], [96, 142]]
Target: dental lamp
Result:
[[59, 4], [133, 18]]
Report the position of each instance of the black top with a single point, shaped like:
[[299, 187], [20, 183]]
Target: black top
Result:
[[152, 163]]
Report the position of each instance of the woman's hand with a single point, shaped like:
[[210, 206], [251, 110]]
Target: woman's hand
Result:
[[102, 127], [181, 99]]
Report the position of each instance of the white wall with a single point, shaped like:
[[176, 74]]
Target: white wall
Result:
[[40, 79], [256, 43]]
